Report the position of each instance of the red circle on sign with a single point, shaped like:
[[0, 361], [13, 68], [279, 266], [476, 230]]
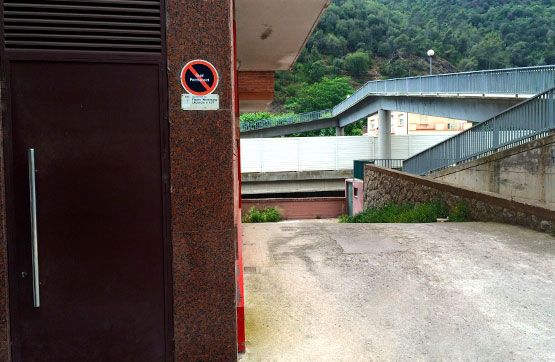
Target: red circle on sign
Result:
[[202, 80]]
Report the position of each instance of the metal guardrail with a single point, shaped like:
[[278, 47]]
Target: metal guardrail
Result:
[[285, 120], [358, 165], [528, 120], [526, 80]]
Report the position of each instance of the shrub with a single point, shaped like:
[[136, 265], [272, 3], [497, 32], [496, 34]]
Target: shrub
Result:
[[357, 64], [269, 214], [459, 212], [395, 213]]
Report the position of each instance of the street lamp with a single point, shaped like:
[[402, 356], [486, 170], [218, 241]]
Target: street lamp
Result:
[[431, 54]]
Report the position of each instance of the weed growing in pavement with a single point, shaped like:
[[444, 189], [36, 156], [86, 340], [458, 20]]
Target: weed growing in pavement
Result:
[[459, 212], [408, 213], [269, 214]]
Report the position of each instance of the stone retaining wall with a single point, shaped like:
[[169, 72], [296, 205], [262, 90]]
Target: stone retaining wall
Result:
[[383, 186]]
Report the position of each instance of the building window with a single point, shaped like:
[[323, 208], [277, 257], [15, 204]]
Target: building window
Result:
[[401, 120], [373, 124], [452, 126]]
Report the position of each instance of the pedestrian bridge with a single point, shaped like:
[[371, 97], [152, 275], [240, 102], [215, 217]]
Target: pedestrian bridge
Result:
[[473, 96]]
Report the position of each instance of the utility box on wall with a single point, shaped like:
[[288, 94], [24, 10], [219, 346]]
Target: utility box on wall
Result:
[[354, 189], [358, 168]]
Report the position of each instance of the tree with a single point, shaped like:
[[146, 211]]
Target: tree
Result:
[[468, 64], [321, 95], [357, 63], [466, 34], [489, 51], [317, 70]]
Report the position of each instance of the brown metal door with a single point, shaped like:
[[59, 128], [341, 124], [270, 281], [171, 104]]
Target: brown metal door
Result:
[[96, 133]]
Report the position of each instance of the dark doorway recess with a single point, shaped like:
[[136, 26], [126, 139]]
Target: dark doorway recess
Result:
[[294, 195]]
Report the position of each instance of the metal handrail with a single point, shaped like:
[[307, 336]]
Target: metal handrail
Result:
[[393, 163], [285, 120], [517, 81], [528, 120]]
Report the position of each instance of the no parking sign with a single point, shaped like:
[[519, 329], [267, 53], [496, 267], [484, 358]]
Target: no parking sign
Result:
[[199, 78]]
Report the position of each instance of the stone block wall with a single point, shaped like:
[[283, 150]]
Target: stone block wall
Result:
[[383, 186]]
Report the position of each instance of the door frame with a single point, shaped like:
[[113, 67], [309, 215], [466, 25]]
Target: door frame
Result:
[[8, 56]]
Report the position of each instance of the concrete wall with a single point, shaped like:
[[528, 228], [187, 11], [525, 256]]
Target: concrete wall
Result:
[[383, 186], [305, 208], [289, 182], [523, 172]]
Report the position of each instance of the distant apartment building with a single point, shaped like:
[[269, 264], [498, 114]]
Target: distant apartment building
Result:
[[403, 123]]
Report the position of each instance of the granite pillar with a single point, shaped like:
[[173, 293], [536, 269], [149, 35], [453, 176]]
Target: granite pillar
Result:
[[203, 200]]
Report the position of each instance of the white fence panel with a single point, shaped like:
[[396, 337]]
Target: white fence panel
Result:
[[400, 147], [324, 153], [420, 142], [318, 153], [281, 154], [251, 155], [353, 148]]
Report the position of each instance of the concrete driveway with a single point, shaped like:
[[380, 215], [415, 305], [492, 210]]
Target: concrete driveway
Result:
[[321, 291]]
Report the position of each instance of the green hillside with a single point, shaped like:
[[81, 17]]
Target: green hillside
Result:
[[376, 39]]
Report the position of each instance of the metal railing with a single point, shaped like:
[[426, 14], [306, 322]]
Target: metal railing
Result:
[[358, 165], [515, 81], [285, 120], [527, 80], [528, 120]]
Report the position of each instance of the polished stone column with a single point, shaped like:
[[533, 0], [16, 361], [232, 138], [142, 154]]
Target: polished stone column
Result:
[[203, 200]]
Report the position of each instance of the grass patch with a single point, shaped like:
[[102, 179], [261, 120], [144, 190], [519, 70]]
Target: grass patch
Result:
[[408, 213], [269, 214]]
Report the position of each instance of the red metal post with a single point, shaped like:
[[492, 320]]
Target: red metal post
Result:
[[241, 345]]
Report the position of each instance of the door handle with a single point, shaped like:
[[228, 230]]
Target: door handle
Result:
[[34, 232]]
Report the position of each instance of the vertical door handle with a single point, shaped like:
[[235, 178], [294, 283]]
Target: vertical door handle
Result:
[[34, 233]]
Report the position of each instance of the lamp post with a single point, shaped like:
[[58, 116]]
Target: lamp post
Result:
[[430, 55]]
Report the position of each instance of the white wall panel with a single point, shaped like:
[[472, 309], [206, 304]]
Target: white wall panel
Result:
[[400, 147], [353, 148], [318, 153], [281, 154], [420, 142], [323, 153], [251, 155]]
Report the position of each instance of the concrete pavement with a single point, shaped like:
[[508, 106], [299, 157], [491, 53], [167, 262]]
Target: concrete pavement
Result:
[[317, 290]]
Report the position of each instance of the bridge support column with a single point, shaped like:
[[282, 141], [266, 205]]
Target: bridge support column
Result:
[[384, 134], [340, 131]]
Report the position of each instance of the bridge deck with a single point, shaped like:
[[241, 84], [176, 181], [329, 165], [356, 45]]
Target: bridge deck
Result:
[[490, 86]]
